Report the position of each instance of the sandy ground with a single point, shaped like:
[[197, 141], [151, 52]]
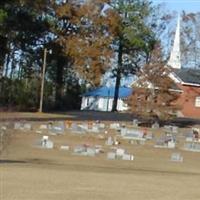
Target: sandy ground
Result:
[[31, 173]]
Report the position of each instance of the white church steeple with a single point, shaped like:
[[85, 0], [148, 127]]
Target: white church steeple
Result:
[[175, 56]]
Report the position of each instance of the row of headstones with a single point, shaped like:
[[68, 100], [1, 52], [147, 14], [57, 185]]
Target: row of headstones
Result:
[[96, 127], [54, 127], [60, 127], [85, 128], [128, 133], [89, 125], [46, 143], [119, 154], [192, 140], [141, 135], [193, 135], [86, 150], [122, 155], [22, 126], [166, 141], [118, 126], [189, 146], [156, 125], [192, 146]]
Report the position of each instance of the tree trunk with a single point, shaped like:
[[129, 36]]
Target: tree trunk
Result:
[[59, 83], [1, 71], [7, 64], [3, 50], [118, 78]]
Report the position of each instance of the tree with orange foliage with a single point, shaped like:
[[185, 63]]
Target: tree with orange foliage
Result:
[[154, 92], [85, 36]]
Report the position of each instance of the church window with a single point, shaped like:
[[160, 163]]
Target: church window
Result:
[[197, 101]]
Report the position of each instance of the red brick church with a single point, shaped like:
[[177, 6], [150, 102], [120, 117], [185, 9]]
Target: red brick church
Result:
[[187, 80]]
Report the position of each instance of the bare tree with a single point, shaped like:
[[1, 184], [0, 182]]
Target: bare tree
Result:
[[190, 40]]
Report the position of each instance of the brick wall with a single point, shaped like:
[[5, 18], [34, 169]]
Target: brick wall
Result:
[[187, 101]]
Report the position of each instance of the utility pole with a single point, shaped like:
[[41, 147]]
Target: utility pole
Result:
[[42, 81]]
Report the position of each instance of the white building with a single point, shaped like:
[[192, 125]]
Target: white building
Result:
[[101, 99]]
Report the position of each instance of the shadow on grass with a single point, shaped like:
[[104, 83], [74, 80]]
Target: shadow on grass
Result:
[[12, 161], [101, 116]]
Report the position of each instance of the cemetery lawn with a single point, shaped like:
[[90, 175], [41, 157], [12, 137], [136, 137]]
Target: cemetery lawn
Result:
[[81, 116], [31, 173], [32, 116]]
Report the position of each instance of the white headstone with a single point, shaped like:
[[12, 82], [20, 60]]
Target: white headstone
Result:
[[3, 128], [46, 143], [109, 141], [49, 144], [91, 151], [114, 126], [27, 126], [127, 157], [120, 152], [79, 149], [188, 139], [135, 122], [149, 136], [176, 157], [77, 129], [84, 126], [45, 137], [171, 144], [43, 126], [64, 147], [38, 131], [111, 156], [17, 125], [155, 125], [95, 129], [174, 129], [123, 131], [102, 126]]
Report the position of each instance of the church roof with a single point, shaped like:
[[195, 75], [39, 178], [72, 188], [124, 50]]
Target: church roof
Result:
[[188, 75], [109, 92]]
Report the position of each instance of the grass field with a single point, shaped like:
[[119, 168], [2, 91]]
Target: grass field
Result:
[[32, 115], [31, 173]]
